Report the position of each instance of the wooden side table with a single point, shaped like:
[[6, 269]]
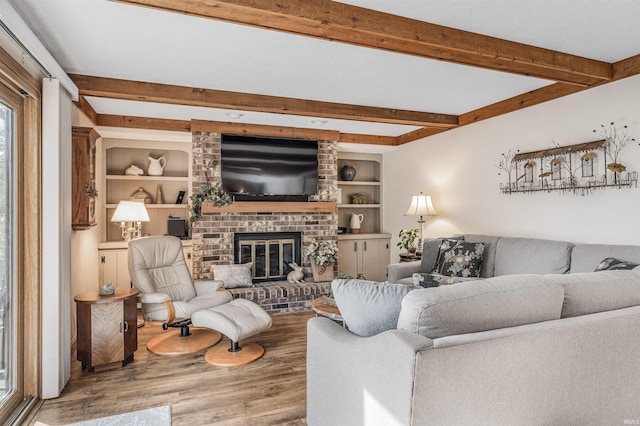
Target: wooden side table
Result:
[[107, 332], [331, 312], [408, 257]]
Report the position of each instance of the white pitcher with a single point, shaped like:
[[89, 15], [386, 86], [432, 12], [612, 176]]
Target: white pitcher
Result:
[[355, 222], [156, 166]]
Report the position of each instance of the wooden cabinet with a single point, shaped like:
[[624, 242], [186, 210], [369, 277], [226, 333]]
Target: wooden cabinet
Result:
[[107, 332], [366, 254], [119, 154], [114, 263], [83, 177]]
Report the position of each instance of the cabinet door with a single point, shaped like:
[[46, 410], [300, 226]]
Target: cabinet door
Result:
[[385, 259], [371, 259], [123, 279], [107, 327], [108, 260], [348, 262]]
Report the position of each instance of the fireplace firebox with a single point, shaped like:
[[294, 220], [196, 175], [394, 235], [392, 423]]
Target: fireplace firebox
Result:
[[270, 252]]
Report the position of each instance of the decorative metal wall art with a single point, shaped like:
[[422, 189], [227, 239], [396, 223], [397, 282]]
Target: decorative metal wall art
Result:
[[577, 169]]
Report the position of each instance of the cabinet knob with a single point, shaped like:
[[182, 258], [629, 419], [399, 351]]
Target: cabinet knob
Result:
[[189, 256], [103, 259], [124, 327], [365, 246], [355, 246]]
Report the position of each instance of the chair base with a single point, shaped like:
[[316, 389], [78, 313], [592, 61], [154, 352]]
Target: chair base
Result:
[[222, 357], [171, 343]]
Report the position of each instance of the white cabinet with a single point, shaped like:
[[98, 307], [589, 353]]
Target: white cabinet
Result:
[[364, 254], [119, 154], [368, 182], [114, 263]]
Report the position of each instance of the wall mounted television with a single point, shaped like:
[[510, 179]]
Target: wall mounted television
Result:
[[269, 169]]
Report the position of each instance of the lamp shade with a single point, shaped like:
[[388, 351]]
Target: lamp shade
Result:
[[130, 211], [421, 205]]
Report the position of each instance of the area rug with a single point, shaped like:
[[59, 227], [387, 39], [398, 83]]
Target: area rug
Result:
[[157, 416]]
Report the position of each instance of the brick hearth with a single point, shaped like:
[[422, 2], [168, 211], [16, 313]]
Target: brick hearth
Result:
[[282, 296]]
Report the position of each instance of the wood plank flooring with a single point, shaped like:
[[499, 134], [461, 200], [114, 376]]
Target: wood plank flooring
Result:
[[270, 391]]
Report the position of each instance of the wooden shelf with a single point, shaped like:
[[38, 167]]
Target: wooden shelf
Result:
[[146, 178], [358, 183], [153, 206], [271, 207], [358, 206]]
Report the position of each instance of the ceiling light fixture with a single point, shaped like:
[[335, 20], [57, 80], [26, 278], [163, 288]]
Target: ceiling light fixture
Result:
[[318, 122], [234, 115]]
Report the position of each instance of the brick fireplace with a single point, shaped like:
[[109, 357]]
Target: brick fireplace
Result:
[[213, 235]]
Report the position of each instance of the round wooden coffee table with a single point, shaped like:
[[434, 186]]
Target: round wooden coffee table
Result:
[[331, 312]]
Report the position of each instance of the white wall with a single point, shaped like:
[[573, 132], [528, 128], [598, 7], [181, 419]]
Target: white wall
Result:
[[457, 168]]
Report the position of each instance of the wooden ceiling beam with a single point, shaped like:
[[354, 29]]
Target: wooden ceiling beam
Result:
[[87, 109], [181, 95], [108, 120], [334, 21], [287, 132]]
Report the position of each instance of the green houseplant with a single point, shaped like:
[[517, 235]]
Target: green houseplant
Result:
[[408, 239], [213, 193]]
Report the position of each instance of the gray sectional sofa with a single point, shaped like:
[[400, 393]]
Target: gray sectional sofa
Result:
[[521, 348]]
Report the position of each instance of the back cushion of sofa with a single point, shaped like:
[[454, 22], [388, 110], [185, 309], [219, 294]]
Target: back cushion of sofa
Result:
[[369, 307], [475, 306], [532, 256], [489, 255], [591, 292], [585, 257]]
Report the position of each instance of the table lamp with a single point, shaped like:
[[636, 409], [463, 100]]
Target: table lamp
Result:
[[421, 205], [130, 214]]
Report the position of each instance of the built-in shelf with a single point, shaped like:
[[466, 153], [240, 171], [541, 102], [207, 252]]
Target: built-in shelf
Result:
[[358, 183], [271, 207], [358, 206], [152, 178], [154, 206]]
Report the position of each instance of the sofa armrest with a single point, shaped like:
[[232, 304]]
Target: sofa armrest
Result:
[[153, 297], [352, 380], [397, 271], [208, 286]]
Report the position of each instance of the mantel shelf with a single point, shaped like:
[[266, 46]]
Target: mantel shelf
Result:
[[271, 207]]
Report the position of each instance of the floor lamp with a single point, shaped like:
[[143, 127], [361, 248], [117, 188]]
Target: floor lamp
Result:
[[421, 205]]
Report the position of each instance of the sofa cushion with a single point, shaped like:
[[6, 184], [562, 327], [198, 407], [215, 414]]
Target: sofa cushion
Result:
[[369, 307], [532, 256], [589, 292], [586, 257], [459, 258], [422, 279], [480, 305], [613, 264], [489, 255]]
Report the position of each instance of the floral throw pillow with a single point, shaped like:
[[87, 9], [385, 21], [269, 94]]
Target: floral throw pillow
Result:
[[612, 264], [459, 258], [423, 279]]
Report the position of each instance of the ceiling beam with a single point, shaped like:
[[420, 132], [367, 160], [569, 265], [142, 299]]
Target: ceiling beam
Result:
[[181, 95], [87, 109], [334, 21], [108, 120], [288, 132]]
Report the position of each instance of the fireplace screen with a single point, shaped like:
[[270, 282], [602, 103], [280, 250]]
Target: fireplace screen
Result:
[[270, 253]]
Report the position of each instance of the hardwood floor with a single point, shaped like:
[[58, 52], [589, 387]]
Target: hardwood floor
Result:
[[270, 391]]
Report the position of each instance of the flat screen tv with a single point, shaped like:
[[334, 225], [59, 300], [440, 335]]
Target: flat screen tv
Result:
[[269, 168]]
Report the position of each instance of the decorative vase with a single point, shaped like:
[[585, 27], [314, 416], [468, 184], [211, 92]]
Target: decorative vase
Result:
[[348, 172], [159, 199], [322, 273]]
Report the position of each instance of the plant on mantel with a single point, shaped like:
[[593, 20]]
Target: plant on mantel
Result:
[[208, 192]]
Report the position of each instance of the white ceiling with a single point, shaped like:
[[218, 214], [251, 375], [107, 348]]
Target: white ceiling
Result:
[[108, 39]]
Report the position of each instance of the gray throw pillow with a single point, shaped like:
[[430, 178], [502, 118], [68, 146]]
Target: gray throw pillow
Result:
[[369, 307], [434, 280], [234, 276]]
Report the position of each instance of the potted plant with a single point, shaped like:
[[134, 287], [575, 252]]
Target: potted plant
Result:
[[213, 193], [322, 255], [408, 239]]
